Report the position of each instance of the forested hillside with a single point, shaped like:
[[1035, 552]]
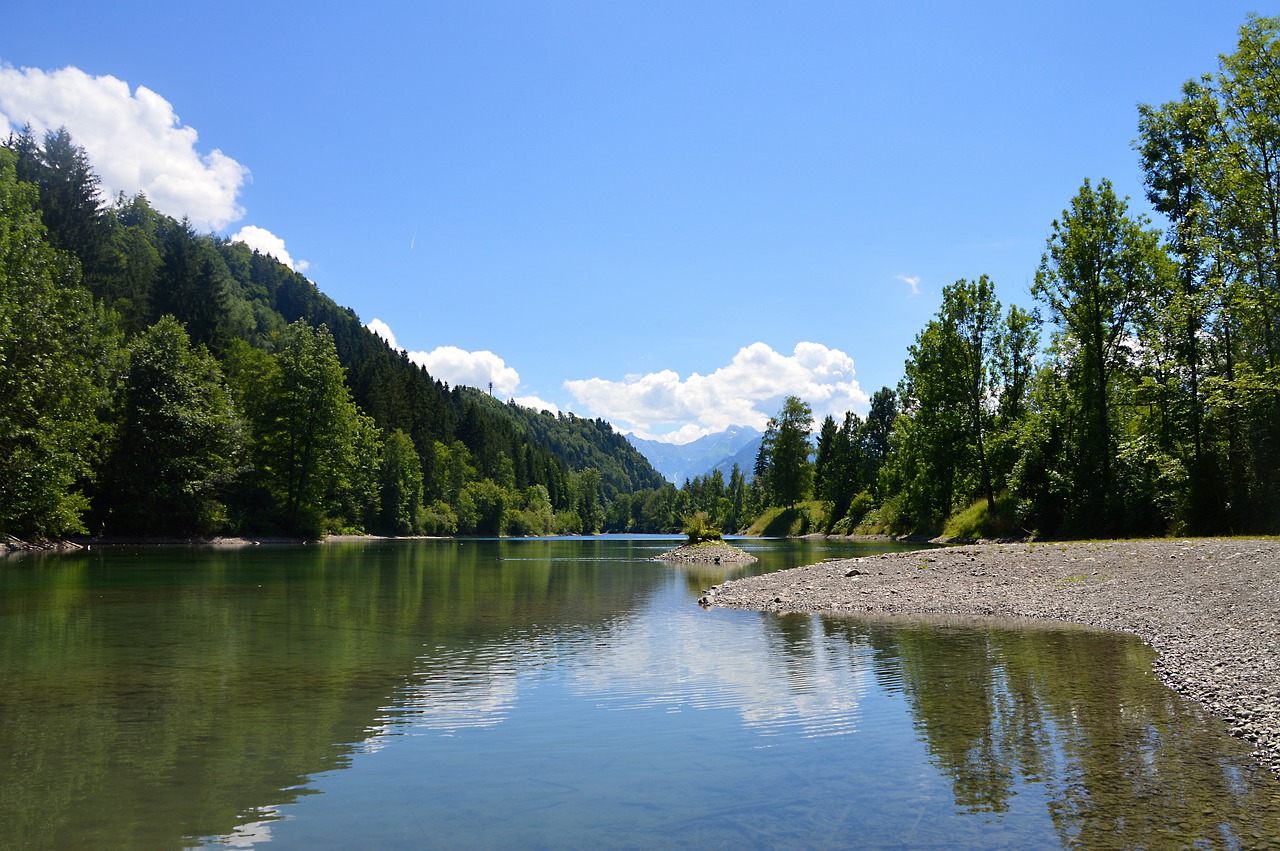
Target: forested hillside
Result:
[[158, 381]]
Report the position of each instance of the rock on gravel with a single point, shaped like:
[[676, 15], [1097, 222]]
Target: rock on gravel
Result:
[[1209, 607]]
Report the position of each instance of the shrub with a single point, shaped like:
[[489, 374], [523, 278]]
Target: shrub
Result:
[[698, 529]]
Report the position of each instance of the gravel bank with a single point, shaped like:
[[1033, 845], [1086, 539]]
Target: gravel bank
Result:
[[708, 553], [1210, 607]]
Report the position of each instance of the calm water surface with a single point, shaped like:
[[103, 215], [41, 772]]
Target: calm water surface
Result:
[[570, 693]]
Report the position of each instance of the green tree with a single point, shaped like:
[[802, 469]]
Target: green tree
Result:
[[305, 428], [1100, 270], [736, 494], [876, 433], [193, 285], [823, 466], [56, 353], [179, 442], [790, 475], [931, 454], [70, 199], [400, 485], [588, 501], [1212, 166]]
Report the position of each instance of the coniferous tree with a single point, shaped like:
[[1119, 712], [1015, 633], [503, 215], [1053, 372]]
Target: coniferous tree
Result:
[[790, 474]]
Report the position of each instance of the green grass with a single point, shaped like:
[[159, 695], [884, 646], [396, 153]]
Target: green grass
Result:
[[784, 522], [978, 521]]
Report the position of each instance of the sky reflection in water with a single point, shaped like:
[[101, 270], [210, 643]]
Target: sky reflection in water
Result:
[[570, 694]]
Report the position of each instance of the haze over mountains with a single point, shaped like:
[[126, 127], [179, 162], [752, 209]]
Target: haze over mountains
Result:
[[713, 451]]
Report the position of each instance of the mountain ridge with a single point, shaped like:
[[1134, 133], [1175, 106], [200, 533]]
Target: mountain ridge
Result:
[[677, 462]]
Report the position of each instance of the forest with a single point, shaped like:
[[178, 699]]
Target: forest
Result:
[[159, 382], [155, 381], [1139, 395]]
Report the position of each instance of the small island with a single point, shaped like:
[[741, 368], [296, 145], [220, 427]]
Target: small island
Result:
[[705, 544], [708, 552]]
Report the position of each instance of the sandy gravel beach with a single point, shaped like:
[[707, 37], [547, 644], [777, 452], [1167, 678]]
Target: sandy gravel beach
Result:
[[1210, 607]]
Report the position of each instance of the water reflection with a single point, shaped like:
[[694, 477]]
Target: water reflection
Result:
[[151, 699], [1124, 762]]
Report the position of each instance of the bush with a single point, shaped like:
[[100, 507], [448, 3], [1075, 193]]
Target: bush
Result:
[[698, 529], [438, 519]]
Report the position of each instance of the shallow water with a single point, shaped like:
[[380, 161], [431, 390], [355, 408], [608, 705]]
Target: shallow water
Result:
[[570, 693]]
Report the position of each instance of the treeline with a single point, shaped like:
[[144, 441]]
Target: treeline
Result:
[[157, 381], [1153, 406]]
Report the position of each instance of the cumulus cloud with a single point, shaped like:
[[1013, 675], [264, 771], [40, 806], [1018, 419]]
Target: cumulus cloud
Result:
[[383, 330], [134, 139], [266, 242], [475, 369], [536, 403], [748, 391], [459, 366]]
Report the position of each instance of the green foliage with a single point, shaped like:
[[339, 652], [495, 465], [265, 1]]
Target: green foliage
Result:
[[698, 528], [180, 440], [318, 410], [781, 521], [400, 482], [315, 452], [1152, 411], [1210, 166], [589, 509], [1099, 273], [982, 520], [852, 523], [439, 519], [963, 397], [56, 352], [786, 443]]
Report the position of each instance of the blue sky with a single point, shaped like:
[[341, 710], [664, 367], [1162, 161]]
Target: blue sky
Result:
[[666, 214]]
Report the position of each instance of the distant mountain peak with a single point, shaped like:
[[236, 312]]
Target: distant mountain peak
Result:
[[677, 462]]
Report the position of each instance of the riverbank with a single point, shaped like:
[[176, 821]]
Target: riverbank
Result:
[[16, 546], [1209, 607]]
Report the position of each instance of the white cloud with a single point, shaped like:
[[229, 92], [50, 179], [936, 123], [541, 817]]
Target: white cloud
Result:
[[912, 281], [474, 369], [266, 242], [536, 404], [458, 366], [134, 140], [383, 330], [748, 391]]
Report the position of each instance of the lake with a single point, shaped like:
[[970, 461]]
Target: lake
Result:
[[570, 693]]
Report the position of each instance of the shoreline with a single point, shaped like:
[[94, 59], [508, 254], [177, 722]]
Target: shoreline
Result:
[[707, 552], [1209, 607], [73, 544]]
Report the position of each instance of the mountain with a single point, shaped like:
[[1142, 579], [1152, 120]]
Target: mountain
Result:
[[745, 458], [256, 353], [684, 461]]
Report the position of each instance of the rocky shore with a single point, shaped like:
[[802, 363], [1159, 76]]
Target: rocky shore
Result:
[[1210, 607], [708, 552]]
